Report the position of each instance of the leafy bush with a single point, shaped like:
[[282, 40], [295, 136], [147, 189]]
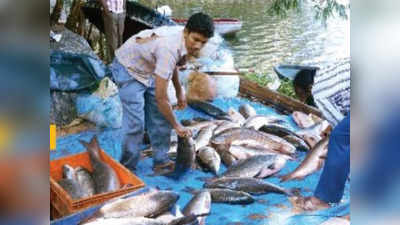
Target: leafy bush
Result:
[[286, 87]]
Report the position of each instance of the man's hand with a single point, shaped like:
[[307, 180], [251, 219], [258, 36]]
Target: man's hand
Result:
[[183, 131], [182, 103]]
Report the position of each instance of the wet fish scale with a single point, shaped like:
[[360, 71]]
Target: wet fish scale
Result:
[[70, 183], [199, 204], [251, 166], [126, 221], [230, 196], [104, 176], [86, 181], [260, 120], [152, 204], [210, 158], [270, 141], [311, 163], [249, 185], [204, 136], [209, 108], [186, 155]]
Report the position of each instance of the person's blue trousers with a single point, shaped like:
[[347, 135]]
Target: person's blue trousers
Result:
[[337, 164], [140, 111]]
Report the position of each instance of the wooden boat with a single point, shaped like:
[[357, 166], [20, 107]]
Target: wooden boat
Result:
[[290, 71], [138, 17], [224, 26]]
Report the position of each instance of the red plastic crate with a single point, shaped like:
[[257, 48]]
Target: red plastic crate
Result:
[[64, 205]]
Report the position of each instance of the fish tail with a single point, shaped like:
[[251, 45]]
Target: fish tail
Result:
[[92, 147]]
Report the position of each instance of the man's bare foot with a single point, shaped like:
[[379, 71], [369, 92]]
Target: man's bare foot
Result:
[[347, 217], [311, 203]]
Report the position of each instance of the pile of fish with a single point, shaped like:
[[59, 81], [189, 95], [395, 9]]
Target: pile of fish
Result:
[[152, 208], [81, 183], [243, 140], [252, 147]]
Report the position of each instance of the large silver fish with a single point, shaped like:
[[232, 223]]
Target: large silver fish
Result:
[[150, 204], [219, 195], [257, 121], [85, 181], [277, 130], [184, 220], [125, 221], [315, 130], [285, 133], [209, 109], [236, 116], [246, 184], [241, 134], [226, 157], [201, 125], [225, 126], [312, 163], [302, 120], [199, 204], [247, 111], [241, 152], [70, 182], [104, 176], [209, 158], [186, 155], [297, 142], [258, 166], [204, 136]]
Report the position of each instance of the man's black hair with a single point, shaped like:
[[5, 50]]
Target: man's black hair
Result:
[[304, 78], [201, 23]]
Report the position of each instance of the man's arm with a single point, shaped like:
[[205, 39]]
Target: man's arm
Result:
[[104, 4], [180, 95], [175, 81], [124, 5], [165, 107]]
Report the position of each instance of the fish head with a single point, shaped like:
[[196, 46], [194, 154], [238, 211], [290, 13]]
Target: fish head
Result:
[[279, 162], [68, 171]]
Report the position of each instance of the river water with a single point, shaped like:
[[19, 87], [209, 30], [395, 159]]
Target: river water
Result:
[[265, 41]]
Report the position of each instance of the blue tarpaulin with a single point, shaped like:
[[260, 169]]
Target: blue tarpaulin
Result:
[[274, 209], [74, 72]]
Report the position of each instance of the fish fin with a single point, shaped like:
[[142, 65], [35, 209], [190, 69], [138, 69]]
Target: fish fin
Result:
[[94, 142], [84, 143]]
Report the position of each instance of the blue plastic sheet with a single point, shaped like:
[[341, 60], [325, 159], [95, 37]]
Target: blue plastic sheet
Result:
[[73, 72], [271, 209], [103, 112]]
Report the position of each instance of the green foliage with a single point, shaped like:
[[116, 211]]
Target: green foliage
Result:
[[323, 8], [260, 79], [281, 7], [287, 88]]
